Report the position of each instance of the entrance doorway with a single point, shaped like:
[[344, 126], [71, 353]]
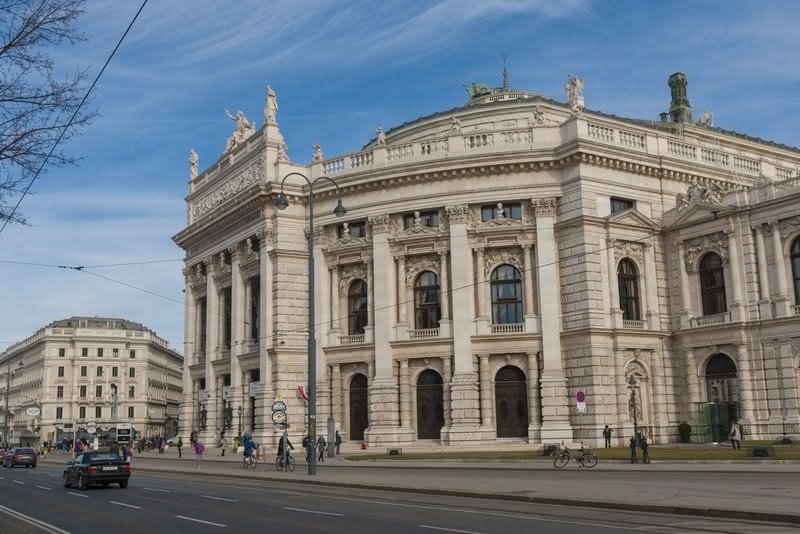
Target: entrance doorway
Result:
[[359, 415], [722, 389], [430, 405], [511, 401]]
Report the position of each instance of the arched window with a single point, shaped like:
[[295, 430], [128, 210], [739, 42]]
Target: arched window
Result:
[[506, 295], [426, 300], [795, 257], [628, 280], [712, 285], [357, 307]]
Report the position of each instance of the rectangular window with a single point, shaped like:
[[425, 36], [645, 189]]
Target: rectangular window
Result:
[[84, 370], [621, 204], [61, 371], [133, 354], [84, 352], [59, 413], [115, 371], [99, 353], [98, 412], [98, 391], [510, 211], [131, 392], [60, 392], [227, 310], [115, 353], [132, 372], [354, 229], [201, 306], [226, 380], [99, 371], [82, 412], [83, 392], [62, 352], [255, 306], [130, 412], [421, 218]]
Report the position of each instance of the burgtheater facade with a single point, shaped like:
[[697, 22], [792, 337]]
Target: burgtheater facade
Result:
[[495, 260]]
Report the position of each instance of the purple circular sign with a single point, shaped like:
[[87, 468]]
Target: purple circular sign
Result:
[[581, 396]]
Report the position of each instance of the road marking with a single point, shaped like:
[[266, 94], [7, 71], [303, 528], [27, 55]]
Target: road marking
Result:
[[47, 527], [200, 521], [449, 529], [77, 494], [18, 482], [312, 511], [218, 498], [126, 505], [159, 490], [42, 487]]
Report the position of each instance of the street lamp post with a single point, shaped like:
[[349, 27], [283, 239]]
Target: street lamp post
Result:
[[282, 203], [240, 421], [8, 391], [633, 384]]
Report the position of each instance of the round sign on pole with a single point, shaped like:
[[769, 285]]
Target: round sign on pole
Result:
[[581, 396], [278, 406], [33, 411], [279, 417]]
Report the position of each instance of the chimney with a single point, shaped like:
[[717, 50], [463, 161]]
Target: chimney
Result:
[[679, 108]]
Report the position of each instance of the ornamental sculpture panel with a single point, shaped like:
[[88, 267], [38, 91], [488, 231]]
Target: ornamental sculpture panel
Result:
[[697, 246], [418, 264], [349, 273], [228, 190], [494, 257]]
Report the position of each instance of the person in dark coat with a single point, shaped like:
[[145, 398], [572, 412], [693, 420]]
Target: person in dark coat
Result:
[[180, 446], [338, 442], [607, 436]]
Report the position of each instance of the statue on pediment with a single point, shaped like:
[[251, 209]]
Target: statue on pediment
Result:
[[271, 107], [710, 194], [381, 135], [455, 125], [244, 129], [574, 88], [317, 155], [193, 162]]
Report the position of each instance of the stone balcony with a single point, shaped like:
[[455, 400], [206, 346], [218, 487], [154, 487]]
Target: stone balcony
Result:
[[710, 320], [796, 309], [352, 339], [633, 324], [510, 328], [423, 333]]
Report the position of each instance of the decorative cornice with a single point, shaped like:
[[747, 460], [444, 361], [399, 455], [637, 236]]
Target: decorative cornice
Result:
[[458, 214], [544, 207], [249, 176], [380, 224]]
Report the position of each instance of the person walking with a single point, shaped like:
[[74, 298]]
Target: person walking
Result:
[[180, 446], [125, 453], [322, 444], [736, 435], [309, 447], [162, 446], [607, 436], [633, 450], [338, 442], [222, 444], [193, 437], [198, 451]]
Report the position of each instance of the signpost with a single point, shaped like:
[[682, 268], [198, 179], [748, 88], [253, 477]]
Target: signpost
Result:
[[279, 418], [580, 405]]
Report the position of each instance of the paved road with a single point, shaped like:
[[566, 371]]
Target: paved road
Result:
[[156, 502]]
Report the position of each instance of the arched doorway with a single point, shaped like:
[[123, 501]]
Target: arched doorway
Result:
[[359, 416], [430, 405], [511, 402], [722, 390]]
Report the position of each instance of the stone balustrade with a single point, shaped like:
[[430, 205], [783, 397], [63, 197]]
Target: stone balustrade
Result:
[[510, 328], [423, 333], [631, 323], [710, 320], [351, 340], [796, 309]]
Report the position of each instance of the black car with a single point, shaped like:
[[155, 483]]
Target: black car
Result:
[[20, 456], [97, 467]]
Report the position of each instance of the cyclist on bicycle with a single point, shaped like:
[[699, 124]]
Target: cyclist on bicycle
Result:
[[249, 446], [288, 443]]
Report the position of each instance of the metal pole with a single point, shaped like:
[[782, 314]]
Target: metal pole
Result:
[[312, 343], [5, 413], [635, 420]]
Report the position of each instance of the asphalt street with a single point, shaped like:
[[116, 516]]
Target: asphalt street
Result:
[[156, 502]]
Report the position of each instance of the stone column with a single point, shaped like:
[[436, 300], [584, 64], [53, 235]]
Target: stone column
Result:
[[369, 329], [738, 282], [321, 317], [651, 286], [464, 396], [446, 379], [186, 414], [534, 409], [212, 337], [383, 394], [555, 409], [528, 292], [615, 313], [402, 305], [335, 329], [692, 383], [337, 394], [788, 383], [405, 396], [266, 391], [746, 381], [238, 306], [764, 301], [445, 324], [686, 298], [480, 254], [782, 296], [487, 419]]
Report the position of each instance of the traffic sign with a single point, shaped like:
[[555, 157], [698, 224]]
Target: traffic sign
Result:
[[581, 407], [279, 417], [33, 411], [581, 396], [278, 406]]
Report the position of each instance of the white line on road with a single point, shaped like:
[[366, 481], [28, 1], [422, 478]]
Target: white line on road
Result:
[[200, 521], [47, 527], [77, 494], [449, 529], [159, 490], [42, 487], [126, 505], [218, 498], [312, 511], [18, 482]]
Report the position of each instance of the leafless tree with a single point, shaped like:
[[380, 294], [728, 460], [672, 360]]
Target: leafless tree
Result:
[[36, 104]]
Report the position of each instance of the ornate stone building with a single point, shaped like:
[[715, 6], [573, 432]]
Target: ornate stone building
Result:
[[496, 259], [72, 369]]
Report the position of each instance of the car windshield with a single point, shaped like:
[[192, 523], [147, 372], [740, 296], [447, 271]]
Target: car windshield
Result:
[[25, 451], [101, 457]]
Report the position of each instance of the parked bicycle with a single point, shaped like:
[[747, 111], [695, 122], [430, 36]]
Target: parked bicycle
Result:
[[583, 457], [285, 465]]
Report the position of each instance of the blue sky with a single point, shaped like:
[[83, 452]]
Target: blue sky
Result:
[[341, 69]]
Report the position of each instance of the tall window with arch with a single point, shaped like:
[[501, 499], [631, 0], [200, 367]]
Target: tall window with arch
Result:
[[628, 280], [712, 284], [357, 302], [506, 288], [794, 254], [426, 300]]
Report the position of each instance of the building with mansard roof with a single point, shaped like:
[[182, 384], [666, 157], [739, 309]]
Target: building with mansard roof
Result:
[[495, 260]]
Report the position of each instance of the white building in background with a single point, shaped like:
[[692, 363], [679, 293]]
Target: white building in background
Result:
[[496, 259], [71, 370]]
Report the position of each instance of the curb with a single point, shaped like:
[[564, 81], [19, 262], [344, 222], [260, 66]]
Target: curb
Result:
[[719, 513]]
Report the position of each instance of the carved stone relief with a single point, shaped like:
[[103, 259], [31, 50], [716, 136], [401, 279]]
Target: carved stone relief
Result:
[[544, 207], [350, 272], [229, 189], [418, 264], [629, 249], [788, 227], [380, 224], [707, 194], [695, 247], [458, 214], [493, 257]]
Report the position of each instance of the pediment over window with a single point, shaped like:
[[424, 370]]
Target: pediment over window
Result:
[[696, 212], [631, 217]]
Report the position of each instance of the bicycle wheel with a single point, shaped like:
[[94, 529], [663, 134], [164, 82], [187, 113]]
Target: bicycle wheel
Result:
[[561, 460], [290, 463], [588, 459], [251, 462], [279, 463]]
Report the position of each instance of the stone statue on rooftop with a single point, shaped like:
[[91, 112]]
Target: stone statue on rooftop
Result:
[[244, 129], [271, 107], [282, 155], [455, 125], [193, 161], [317, 155], [381, 136], [574, 88], [706, 119]]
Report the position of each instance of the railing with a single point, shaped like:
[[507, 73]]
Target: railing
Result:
[[511, 328], [631, 139], [434, 146], [707, 320], [471, 142], [516, 137], [782, 173], [351, 340], [400, 152], [796, 309], [361, 159], [631, 323], [746, 164], [602, 133], [681, 149], [788, 184], [423, 333], [334, 166], [714, 157]]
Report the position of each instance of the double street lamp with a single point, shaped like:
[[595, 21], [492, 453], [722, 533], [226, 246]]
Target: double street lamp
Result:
[[282, 203], [633, 385]]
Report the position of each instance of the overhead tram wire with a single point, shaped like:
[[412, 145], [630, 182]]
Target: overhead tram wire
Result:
[[72, 119]]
